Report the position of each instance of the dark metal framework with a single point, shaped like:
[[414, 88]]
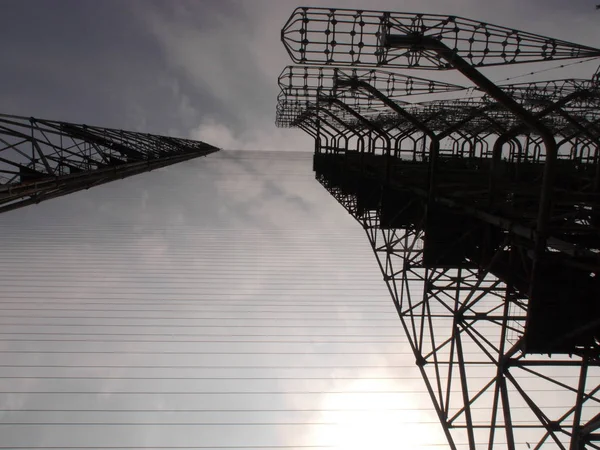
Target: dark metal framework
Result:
[[352, 37], [43, 159], [482, 206]]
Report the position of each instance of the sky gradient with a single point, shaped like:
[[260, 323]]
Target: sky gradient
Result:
[[237, 266], [208, 294]]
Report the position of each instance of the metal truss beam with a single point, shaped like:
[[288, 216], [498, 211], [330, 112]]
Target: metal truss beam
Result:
[[483, 210], [345, 37], [465, 327], [43, 159]]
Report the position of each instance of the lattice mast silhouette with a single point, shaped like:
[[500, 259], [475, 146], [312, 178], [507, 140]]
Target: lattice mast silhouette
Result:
[[43, 159], [481, 202]]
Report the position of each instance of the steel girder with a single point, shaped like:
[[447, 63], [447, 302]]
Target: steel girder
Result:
[[43, 159], [345, 37], [482, 211], [465, 327]]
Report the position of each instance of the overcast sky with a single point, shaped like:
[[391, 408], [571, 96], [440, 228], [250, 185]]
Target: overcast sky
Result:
[[258, 233]]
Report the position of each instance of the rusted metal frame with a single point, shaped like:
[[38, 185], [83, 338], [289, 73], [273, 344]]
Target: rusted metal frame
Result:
[[342, 139], [551, 155], [346, 133], [507, 224], [34, 123], [464, 386], [474, 333], [392, 276], [576, 437], [500, 387], [14, 147], [591, 425], [398, 138], [413, 306], [14, 163], [129, 140], [51, 183], [426, 321], [589, 326], [324, 135], [469, 301], [142, 140], [433, 159], [585, 397], [410, 135], [364, 121], [53, 187], [314, 133], [317, 131], [344, 126], [444, 343], [47, 141], [506, 413], [4, 130], [438, 408], [453, 347], [81, 154], [419, 41], [35, 145], [113, 138], [26, 138], [434, 146], [452, 339], [310, 131], [594, 138], [472, 400], [543, 419]]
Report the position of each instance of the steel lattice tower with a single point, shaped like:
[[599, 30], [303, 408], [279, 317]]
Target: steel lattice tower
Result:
[[44, 159], [481, 204]]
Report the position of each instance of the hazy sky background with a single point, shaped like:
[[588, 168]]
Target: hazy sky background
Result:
[[241, 241], [202, 305]]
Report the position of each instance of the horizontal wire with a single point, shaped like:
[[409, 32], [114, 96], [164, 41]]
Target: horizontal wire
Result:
[[212, 411], [189, 447], [228, 326], [188, 424], [161, 352], [135, 325], [201, 335], [213, 447], [211, 366], [198, 300], [515, 424], [316, 289], [204, 341], [211, 392], [331, 378], [247, 319], [222, 392], [388, 310]]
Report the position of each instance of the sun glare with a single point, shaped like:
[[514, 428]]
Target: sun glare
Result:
[[372, 413]]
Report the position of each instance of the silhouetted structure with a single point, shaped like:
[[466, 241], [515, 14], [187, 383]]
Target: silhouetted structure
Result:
[[481, 205], [42, 159]]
